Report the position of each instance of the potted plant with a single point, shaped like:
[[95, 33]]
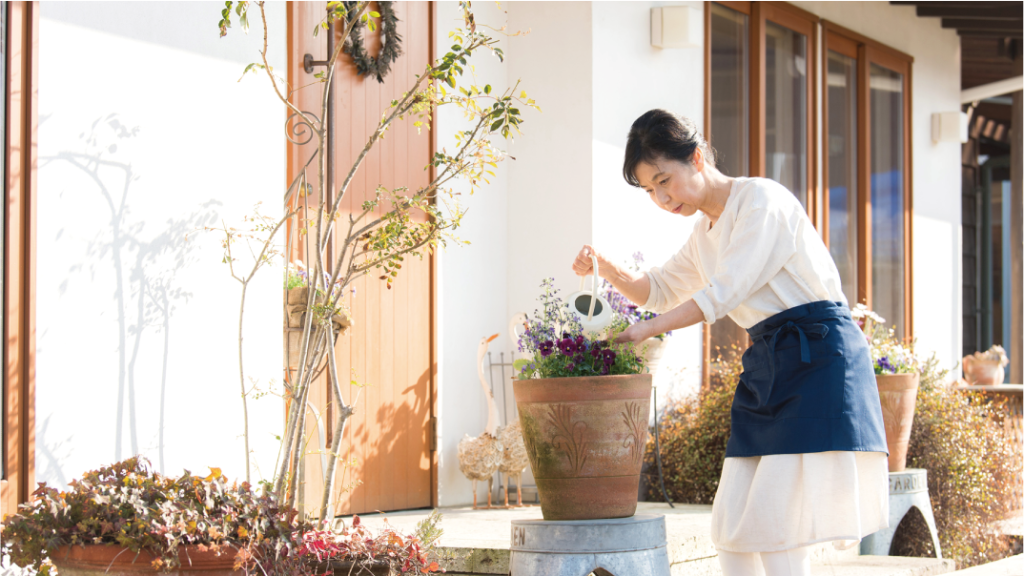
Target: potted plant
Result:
[[125, 518], [897, 374], [986, 368], [653, 349], [584, 406]]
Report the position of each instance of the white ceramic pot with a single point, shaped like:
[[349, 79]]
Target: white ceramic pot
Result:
[[655, 352]]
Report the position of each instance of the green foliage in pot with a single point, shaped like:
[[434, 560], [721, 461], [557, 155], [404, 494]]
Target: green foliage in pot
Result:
[[129, 505], [972, 466], [560, 349]]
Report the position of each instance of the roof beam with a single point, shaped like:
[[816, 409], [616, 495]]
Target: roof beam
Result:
[[1010, 10], [953, 3], [991, 90], [990, 33], [1006, 25]]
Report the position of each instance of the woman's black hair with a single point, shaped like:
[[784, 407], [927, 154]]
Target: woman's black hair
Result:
[[659, 134]]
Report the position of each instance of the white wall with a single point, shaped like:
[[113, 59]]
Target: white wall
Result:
[[631, 77], [145, 136], [473, 280], [936, 167]]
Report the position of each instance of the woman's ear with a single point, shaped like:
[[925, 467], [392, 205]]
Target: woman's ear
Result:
[[698, 159]]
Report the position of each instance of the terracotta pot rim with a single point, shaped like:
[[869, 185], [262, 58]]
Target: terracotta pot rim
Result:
[[108, 555], [570, 380]]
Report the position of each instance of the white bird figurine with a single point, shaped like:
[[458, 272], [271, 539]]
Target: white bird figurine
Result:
[[515, 327], [480, 457], [514, 459]]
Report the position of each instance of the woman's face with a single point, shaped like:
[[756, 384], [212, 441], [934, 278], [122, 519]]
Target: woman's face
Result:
[[675, 186]]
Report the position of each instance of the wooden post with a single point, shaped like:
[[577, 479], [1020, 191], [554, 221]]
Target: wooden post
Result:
[[1016, 244]]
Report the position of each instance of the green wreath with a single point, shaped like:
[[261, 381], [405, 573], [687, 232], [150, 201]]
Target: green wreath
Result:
[[391, 43]]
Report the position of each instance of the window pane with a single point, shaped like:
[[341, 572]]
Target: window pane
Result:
[[786, 109], [730, 122], [887, 195], [842, 169], [729, 90]]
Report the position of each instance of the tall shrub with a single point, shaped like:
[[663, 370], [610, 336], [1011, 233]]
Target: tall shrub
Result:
[[958, 437], [694, 432]]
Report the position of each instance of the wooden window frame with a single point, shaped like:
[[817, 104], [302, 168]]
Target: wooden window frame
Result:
[[867, 52], [805, 23], [798, 20], [19, 254]]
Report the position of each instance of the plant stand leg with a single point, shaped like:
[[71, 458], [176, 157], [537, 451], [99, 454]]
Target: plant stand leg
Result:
[[474, 496]]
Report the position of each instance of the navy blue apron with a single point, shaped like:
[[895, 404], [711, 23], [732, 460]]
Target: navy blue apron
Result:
[[807, 385]]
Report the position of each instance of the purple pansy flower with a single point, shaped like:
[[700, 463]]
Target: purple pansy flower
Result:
[[546, 348]]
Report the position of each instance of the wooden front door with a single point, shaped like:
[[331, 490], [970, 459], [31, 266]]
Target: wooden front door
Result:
[[388, 441]]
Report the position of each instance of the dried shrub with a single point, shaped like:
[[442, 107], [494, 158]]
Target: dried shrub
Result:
[[694, 432], [972, 469]]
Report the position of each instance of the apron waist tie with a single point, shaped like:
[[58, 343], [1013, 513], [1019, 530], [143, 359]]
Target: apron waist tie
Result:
[[818, 331]]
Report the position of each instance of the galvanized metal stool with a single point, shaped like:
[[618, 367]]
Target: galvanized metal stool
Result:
[[907, 489], [635, 546]]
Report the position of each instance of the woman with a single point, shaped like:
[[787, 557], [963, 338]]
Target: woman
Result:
[[806, 459]]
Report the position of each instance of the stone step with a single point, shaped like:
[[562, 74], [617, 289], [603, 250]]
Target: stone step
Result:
[[1012, 566], [479, 542]]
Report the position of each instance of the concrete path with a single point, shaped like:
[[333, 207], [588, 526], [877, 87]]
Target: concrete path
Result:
[[1012, 566], [480, 541]]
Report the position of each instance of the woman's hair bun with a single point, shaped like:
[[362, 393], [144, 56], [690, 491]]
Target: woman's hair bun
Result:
[[659, 134]]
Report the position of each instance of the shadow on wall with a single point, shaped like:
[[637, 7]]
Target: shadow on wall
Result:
[[144, 267]]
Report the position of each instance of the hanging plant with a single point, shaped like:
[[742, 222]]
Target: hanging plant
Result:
[[391, 43]]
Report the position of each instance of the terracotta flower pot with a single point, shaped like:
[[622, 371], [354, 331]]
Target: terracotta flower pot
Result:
[[983, 371], [586, 439], [898, 393], [103, 560]]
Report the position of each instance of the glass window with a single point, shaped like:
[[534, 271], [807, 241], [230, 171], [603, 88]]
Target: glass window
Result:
[[730, 123], [842, 168], [730, 78], [887, 282], [786, 108]]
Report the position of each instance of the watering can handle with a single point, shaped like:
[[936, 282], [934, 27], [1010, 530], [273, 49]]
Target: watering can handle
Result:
[[593, 297]]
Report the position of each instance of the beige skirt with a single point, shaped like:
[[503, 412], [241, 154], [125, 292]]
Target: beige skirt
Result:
[[785, 501]]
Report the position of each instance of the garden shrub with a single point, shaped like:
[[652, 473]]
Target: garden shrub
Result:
[[972, 468], [958, 437], [694, 432]]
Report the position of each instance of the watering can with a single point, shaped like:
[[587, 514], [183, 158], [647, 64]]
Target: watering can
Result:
[[591, 310]]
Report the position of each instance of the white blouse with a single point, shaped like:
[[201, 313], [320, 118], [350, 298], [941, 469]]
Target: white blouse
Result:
[[762, 257]]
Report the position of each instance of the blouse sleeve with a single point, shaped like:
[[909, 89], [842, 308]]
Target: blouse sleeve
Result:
[[759, 246], [674, 282]]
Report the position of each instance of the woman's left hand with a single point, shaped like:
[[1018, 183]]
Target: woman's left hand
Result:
[[635, 334]]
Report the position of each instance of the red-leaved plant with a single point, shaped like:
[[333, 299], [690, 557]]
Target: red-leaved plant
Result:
[[129, 505]]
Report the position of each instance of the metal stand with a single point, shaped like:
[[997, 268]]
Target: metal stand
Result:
[[907, 489], [635, 546]]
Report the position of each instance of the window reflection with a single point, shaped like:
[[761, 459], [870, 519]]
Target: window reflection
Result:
[[730, 114], [729, 90], [786, 108], [842, 169], [887, 282]]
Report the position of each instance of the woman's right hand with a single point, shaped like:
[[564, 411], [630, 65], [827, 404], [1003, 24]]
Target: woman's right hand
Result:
[[583, 264]]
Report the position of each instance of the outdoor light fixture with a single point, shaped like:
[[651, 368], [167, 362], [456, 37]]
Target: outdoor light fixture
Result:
[[676, 27], [949, 127]]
